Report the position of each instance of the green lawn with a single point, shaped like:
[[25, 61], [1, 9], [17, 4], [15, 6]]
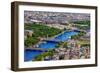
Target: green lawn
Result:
[[39, 30], [42, 30], [80, 23]]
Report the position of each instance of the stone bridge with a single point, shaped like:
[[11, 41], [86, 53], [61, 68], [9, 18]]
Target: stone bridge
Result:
[[38, 49]]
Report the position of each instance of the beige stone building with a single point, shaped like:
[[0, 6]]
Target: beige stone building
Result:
[[28, 33]]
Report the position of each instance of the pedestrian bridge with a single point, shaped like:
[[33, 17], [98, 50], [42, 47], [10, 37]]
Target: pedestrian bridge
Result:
[[53, 40]]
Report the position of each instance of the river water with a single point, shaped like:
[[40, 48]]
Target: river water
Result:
[[30, 54]]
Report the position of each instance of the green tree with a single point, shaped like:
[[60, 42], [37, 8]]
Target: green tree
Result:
[[30, 41]]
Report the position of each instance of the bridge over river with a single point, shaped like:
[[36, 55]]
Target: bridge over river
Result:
[[38, 49], [52, 40]]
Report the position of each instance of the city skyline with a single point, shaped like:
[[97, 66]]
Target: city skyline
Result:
[[54, 17]]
